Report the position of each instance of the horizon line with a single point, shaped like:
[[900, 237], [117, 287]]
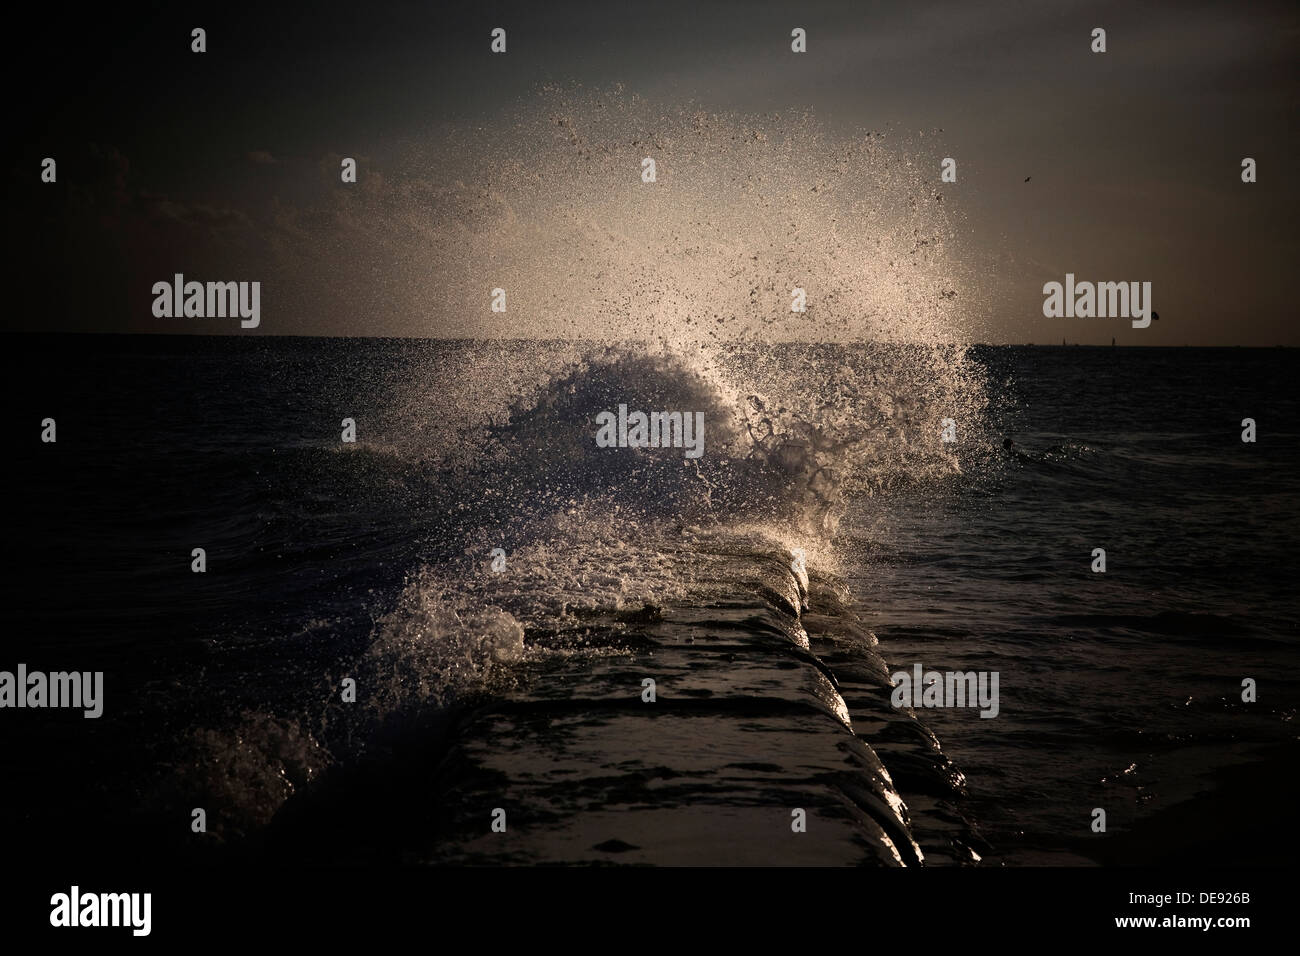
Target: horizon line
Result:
[[555, 339]]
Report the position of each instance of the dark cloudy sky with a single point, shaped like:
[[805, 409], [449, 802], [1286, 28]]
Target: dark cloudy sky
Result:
[[1134, 155]]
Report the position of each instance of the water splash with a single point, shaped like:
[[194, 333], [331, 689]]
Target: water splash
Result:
[[667, 295], [547, 202]]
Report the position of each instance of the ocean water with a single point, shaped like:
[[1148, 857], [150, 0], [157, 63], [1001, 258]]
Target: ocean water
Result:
[[826, 538]]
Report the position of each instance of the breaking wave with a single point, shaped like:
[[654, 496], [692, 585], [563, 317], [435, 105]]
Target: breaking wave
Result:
[[671, 296]]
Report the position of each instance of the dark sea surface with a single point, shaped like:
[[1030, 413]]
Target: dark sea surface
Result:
[[521, 688]]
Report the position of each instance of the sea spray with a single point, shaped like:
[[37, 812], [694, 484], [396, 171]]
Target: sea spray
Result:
[[671, 294]]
